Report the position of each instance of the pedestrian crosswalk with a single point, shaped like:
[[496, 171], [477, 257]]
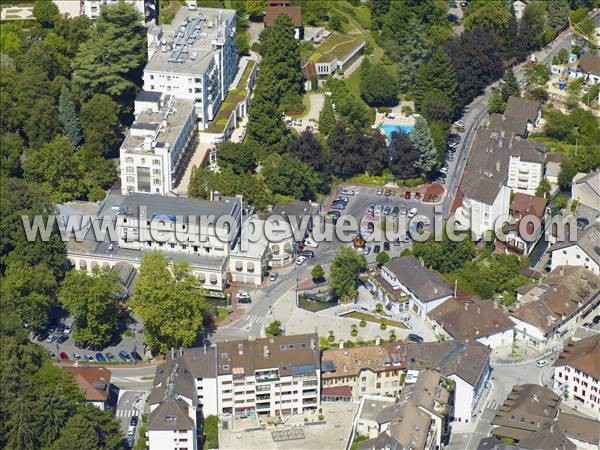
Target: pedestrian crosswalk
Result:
[[126, 413], [493, 404]]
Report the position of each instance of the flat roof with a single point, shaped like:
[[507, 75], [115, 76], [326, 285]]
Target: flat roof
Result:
[[336, 46], [199, 50], [160, 205]]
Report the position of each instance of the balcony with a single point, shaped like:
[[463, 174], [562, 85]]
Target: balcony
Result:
[[267, 379]]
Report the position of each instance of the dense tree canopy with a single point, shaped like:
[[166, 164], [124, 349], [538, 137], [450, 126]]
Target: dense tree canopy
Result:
[[436, 77], [171, 304], [377, 86], [343, 274], [404, 156]]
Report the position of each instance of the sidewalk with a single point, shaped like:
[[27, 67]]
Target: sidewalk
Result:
[[503, 355]]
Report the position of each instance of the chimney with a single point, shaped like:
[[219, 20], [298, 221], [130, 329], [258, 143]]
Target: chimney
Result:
[[497, 166]]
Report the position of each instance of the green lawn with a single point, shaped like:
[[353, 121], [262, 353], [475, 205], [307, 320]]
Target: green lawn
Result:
[[222, 313], [369, 318], [553, 145], [315, 306]]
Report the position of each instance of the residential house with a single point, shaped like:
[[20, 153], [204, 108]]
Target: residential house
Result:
[[406, 284], [586, 189], [544, 313], [530, 110], [511, 126], [582, 253], [158, 145], [93, 382], [479, 321], [580, 430], [588, 67], [577, 373], [419, 420], [175, 412], [485, 195], [522, 233], [294, 12], [194, 58], [529, 414]]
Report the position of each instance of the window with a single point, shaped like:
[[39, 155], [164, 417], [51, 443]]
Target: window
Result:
[[129, 159], [129, 169], [156, 162], [157, 181], [226, 367], [130, 179], [156, 172]]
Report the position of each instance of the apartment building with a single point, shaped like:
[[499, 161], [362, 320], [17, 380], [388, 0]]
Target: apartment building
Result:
[[91, 8], [194, 58], [582, 252], [577, 373], [525, 165], [270, 376], [544, 313], [419, 420], [159, 144]]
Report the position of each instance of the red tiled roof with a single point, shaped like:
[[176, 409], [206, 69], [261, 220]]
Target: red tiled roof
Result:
[[295, 13], [336, 391]]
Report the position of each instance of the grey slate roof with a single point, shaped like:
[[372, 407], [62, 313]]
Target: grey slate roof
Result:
[[148, 96], [165, 205], [588, 240], [425, 284], [520, 107]]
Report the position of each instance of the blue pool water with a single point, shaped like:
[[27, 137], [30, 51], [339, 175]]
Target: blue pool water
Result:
[[389, 128]]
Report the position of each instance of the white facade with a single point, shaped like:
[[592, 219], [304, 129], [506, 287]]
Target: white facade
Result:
[[577, 386], [524, 176], [194, 58], [467, 396], [91, 8], [155, 152], [574, 255], [497, 340], [171, 439], [481, 217]]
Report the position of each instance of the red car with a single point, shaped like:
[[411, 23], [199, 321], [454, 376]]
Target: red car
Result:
[[64, 356], [407, 195]]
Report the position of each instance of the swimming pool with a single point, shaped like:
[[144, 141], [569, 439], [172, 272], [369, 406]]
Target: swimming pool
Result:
[[389, 128]]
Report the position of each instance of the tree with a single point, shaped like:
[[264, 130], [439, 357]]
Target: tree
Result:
[[496, 104], [536, 79], [378, 87], [423, 143], [326, 117], [265, 121], [436, 105], [274, 329], [240, 158], [531, 28], [494, 17], [69, 117], [404, 157], [56, 167], [202, 182], [350, 109], [510, 87], [446, 255], [92, 300], [171, 304], [42, 126], [544, 189], [379, 9], [308, 150], [281, 55], [343, 274], [476, 60], [11, 149], [111, 61], [286, 175], [100, 121], [414, 52], [45, 12], [382, 258], [558, 13], [346, 156], [376, 148], [437, 74], [317, 273], [255, 9]]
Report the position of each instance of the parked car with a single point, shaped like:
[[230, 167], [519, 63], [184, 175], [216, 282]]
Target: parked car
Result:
[[334, 214], [64, 338], [68, 329], [89, 358], [379, 192], [341, 198], [243, 297], [131, 431], [395, 211], [542, 363], [100, 357], [377, 249], [64, 356], [51, 338], [407, 195], [125, 356], [136, 356], [588, 325], [596, 319], [366, 250], [582, 222], [110, 357], [412, 213], [310, 243], [444, 170], [133, 421], [307, 254], [77, 356], [386, 211], [60, 328], [387, 192], [340, 206], [130, 441], [300, 260], [386, 246], [414, 337], [403, 213], [347, 191], [273, 276]]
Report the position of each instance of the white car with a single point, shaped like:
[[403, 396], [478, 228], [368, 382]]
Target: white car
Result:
[[242, 295], [68, 329], [310, 243], [300, 260], [347, 191], [542, 363], [444, 170], [412, 213]]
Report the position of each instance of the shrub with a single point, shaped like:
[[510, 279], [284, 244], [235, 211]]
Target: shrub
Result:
[[321, 417], [363, 323], [383, 326]]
